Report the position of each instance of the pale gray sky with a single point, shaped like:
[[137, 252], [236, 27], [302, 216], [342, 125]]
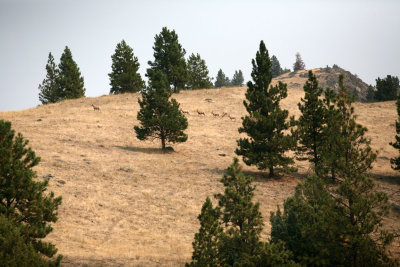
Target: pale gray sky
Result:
[[360, 36]]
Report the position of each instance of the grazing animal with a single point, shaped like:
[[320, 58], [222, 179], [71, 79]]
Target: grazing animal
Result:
[[96, 107], [214, 114], [185, 112], [224, 114], [232, 117], [200, 113]]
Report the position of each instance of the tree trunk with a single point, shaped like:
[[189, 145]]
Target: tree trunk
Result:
[[163, 142], [271, 172]]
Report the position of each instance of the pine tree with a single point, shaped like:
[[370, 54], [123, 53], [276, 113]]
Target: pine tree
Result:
[[124, 77], [221, 80], [49, 87], [14, 251], [159, 117], [396, 161], [266, 122], [387, 88], [237, 79], [311, 122], [370, 94], [346, 144], [169, 57], [22, 199], [198, 73], [205, 245], [240, 215], [275, 67], [70, 81], [299, 64], [229, 234]]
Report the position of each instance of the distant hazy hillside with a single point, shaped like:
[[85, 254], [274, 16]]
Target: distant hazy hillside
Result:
[[328, 77]]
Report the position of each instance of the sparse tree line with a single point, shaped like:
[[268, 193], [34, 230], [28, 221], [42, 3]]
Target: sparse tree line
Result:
[[334, 217]]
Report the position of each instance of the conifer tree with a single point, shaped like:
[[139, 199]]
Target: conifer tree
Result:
[[22, 199], [387, 88], [299, 63], [70, 81], [124, 77], [237, 79], [49, 87], [169, 57], [159, 117], [345, 144], [275, 67], [370, 94], [396, 160], [221, 80], [205, 245], [266, 122], [311, 123], [229, 234], [198, 73]]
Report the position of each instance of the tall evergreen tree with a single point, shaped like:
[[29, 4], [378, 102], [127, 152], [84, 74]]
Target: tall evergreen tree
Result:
[[70, 81], [370, 94], [22, 200], [124, 76], [299, 63], [346, 144], [205, 245], [387, 88], [229, 234], [197, 73], [311, 122], [396, 160], [169, 57], [159, 117], [266, 122], [275, 67], [49, 87], [221, 80], [237, 79]]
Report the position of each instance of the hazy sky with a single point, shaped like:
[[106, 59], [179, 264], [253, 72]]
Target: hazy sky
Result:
[[360, 36]]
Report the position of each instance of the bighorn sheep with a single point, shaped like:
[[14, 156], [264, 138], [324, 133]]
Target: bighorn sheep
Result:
[[96, 107], [214, 114], [224, 114], [200, 113], [185, 112], [232, 117]]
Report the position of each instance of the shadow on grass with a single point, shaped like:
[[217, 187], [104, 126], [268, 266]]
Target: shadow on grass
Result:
[[147, 150], [390, 179]]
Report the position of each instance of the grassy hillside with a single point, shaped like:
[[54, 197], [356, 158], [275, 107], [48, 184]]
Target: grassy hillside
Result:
[[125, 202]]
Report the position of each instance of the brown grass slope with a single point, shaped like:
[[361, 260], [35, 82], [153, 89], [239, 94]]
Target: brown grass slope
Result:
[[126, 203]]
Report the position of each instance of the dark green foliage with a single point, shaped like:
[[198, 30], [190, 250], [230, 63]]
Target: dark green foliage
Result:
[[237, 79], [311, 122], [221, 80], [23, 200], [15, 251], [266, 122], [49, 87], [229, 234], [124, 77], [205, 245], [387, 88], [396, 161], [342, 215], [346, 144], [370, 94], [169, 58], [276, 67], [322, 221], [159, 117], [299, 64], [70, 81], [197, 73]]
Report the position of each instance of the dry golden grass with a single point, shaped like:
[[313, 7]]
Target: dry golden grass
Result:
[[127, 203]]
